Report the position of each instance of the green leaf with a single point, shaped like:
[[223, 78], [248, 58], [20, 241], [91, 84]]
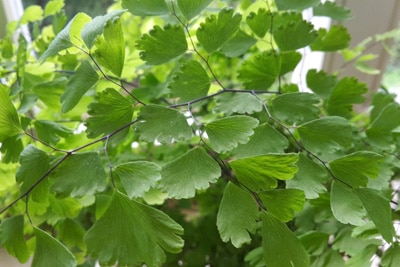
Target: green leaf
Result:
[[289, 61], [31, 14], [378, 209], [9, 120], [162, 124], [144, 232], [146, 7], [260, 23], [266, 139], [260, 71], [50, 252], [190, 82], [332, 10], [335, 39], [84, 78], [192, 171], [161, 45], [356, 168], [391, 256], [238, 45], [215, 32], [281, 246], [79, 175], [283, 203], [327, 134], [237, 215], [294, 4], [229, 103], [12, 237], [226, 133], [50, 131], [345, 205], [260, 172], [94, 28], [190, 8], [315, 242], [10, 149], [310, 178], [347, 92], [137, 177], [379, 132], [110, 112], [295, 108], [50, 92], [300, 33], [53, 7], [321, 83], [110, 48], [71, 233]]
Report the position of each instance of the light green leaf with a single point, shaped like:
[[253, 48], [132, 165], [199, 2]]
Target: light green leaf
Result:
[[295, 4], [289, 61], [79, 175], [310, 178], [266, 139], [110, 112], [190, 8], [327, 134], [84, 78], [295, 108], [31, 14], [260, 23], [347, 92], [9, 121], [190, 82], [281, 246], [162, 124], [345, 205], [378, 209], [50, 92], [229, 103], [321, 83], [226, 133], [356, 168], [260, 71], [50, 252], [300, 33], [12, 237], [238, 45], [237, 215], [260, 172], [11, 148], [332, 10], [137, 177], [145, 233], [215, 32], [146, 7], [53, 7], [283, 203], [50, 131], [335, 39], [94, 28], [161, 45], [391, 256], [192, 171], [110, 48]]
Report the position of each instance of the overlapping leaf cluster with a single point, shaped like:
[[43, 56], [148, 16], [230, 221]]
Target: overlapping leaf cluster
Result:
[[167, 132]]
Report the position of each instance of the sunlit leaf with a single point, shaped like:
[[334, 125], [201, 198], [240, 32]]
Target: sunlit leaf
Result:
[[52, 7], [145, 232], [190, 172], [146, 7], [12, 237], [237, 215], [9, 121], [332, 10], [32, 13], [229, 103], [190, 8], [336, 38]]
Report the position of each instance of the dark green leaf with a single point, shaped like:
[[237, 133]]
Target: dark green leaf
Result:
[[260, 71], [356, 168], [11, 148], [260, 22], [336, 38], [215, 32], [229, 103], [137, 177], [289, 61], [321, 83], [190, 82], [227, 133], [50, 131], [84, 78], [391, 256], [71, 233], [190, 8], [238, 45], [162, 124], [281, 246], [295, 4], [12, 237], [190, 172], [380, 100], [300, 33], [145, 233], [260, 172], [79, 175], [315, 242], [282, 203], [378, 208], [9, 120], [161, 45], [110, 112], [146, 7], [332, 10], [50, 252], [237, 215]]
